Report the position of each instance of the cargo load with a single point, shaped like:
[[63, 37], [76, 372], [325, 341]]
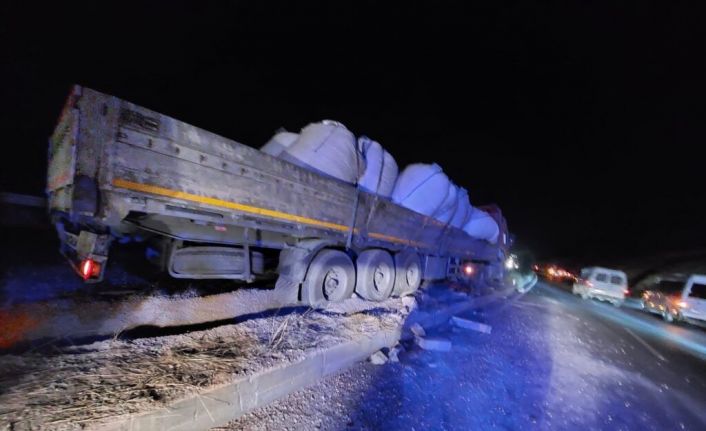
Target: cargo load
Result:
[[422, 188], [279, 142], [328, 148], [380, 168], [448, 208], [463, 209], [481, 225]]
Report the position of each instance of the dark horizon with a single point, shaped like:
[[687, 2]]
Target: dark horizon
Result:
[[581, 122]]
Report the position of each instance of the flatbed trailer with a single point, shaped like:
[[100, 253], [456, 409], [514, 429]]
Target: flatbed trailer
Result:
[[217, 209]]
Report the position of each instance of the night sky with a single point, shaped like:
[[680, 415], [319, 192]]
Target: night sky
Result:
[[585, 123]]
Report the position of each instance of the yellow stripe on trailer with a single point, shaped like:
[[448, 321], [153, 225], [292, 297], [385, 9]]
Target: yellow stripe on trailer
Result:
[[395, 239], [161, 191]]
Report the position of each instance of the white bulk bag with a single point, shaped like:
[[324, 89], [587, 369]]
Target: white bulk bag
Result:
[[279, 142], [421, 187], [380, 168], [483, 226], [329, 148], [463, 210], [448, 208]]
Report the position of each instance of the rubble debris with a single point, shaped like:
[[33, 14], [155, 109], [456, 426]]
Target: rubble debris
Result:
[[470, 324], [417, 330], [435, 344], [378, 358], [409, 302], [394, 353]]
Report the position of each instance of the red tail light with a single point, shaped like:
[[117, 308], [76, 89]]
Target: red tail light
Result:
[[89, 268], [626, 291]]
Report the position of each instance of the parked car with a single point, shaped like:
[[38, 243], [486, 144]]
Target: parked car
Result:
[[678, 300], [605, 284]]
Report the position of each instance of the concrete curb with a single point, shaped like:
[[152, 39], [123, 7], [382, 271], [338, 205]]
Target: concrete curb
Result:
[[71, 320], [218, 406]]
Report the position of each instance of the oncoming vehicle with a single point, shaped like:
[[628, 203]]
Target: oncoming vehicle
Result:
[[602, 283], [678, 300], [554, 273]]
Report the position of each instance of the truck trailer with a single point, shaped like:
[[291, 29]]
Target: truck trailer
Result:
[[218, 209]]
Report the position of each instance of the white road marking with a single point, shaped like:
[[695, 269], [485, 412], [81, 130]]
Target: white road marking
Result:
[[525, 304], [552, 300], [647, 346]]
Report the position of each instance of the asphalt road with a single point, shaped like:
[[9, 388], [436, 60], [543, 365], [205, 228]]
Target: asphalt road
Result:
[[666, 361], [552, 361]]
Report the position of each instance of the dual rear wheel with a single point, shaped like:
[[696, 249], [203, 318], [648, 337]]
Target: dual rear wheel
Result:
[[332, 276], [376, 275]]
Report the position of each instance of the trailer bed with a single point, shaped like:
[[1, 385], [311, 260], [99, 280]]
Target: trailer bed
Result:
[[113, 162]]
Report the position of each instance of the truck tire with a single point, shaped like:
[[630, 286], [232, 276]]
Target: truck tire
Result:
[[330, 278], [376, 275], [408, 270]]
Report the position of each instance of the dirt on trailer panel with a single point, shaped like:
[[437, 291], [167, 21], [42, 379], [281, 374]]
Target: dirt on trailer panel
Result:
[[79, 386]]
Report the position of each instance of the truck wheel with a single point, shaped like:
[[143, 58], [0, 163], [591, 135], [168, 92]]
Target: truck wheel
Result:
[[376, 275], [408, 273], [330, 277]]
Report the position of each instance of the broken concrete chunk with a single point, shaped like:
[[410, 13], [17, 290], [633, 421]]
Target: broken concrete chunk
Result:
[[417, 330], [393, 354], [378, 358], [409, 302], [470, 324], [436, 344]]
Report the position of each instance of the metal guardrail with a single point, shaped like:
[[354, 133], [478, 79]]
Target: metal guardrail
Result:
[[7, 198], [18, 210]]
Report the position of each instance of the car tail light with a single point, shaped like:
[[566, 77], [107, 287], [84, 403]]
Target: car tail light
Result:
[[626, 291], [89, 268]]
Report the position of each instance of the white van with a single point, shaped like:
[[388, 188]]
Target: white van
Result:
[[685, 301], [693, 305], [602, 283]]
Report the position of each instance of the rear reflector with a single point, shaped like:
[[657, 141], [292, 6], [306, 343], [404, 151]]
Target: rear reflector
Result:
[[89, 268]]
